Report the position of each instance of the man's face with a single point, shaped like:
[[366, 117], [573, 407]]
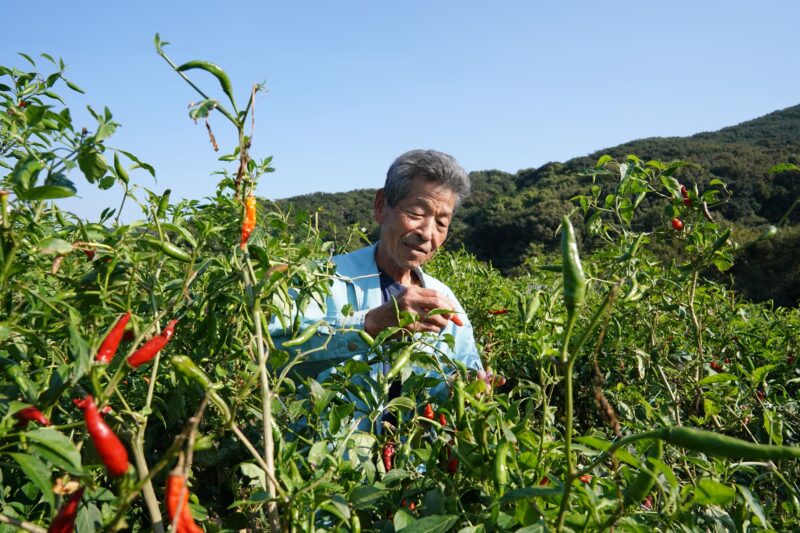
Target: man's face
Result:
[[414, 228]]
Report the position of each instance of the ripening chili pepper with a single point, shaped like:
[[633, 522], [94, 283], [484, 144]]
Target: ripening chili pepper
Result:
[[31, 414], [716, 366], [677, 224], [412, 506], [249, 223], [687, 202], [684, 192], [64, 522], [452, 465], [574, 280], [89, 254], [22, 104], [388, 455], [178, 504], [760, 394], [149, 349], [108, 445], [442, 419], [586, 478], [500, 311], [428, 412], [457, 320], [109, 346]]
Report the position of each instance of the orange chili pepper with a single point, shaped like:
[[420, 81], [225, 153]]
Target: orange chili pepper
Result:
[[249, 222]]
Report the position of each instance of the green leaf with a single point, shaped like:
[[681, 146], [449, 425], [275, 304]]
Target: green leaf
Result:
[[754, 505], [25, 171], [92, 164], [37, 472], [401, 402], [202, 109], [73, 86], [56, 448], [602, 161], [52, 245], [403, 519], [717, 378], [48, 192], [760, 373], [784, 167], [710, 492], [106, 183], [430, 524], [365, 496]]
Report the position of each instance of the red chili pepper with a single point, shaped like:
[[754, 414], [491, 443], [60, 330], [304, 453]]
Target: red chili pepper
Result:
[[687, 202], [428, 412], [716, 366], [684, 192], [178, 496], [249, 223], [500, 311], [760, 394], [412, 506], [457, 320], [22, 104], [64, 522], [586, 478], [89, 254], [149, 349], [452, 465], [388, 455], [109, 346], [544, 482], [31, 414], [442, 419], [677, 224], [108, 445], [647, 504]]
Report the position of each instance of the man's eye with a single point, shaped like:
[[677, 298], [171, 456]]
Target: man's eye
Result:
[[442, 224]]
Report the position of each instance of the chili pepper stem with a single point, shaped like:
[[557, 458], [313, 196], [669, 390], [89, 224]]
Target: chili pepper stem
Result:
[[568, 362]]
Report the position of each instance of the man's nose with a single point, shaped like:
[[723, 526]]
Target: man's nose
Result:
[[426, 228]]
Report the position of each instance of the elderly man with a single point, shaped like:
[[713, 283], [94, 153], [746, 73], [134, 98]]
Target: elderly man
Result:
[[414, 210]]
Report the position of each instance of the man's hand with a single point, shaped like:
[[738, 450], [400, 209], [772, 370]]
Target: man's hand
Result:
[[415, 300]]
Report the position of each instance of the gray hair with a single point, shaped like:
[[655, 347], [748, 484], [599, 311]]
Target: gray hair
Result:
[[430, 165]]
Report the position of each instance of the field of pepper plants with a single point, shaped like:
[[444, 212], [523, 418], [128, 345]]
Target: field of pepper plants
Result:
[[142, 389]]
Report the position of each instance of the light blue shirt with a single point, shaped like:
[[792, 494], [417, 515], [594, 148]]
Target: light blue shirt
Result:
[[357, 282]]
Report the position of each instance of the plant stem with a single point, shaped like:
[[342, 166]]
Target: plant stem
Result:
[[27, 526], [568, 363]]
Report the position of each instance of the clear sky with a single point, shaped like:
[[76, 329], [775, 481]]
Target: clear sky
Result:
[[352, 84]]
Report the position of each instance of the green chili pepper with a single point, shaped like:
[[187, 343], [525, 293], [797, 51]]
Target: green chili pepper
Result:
[[163, 203], [574, 280], [121, 173], [643, 484], [169, 249], [458, 400], [531, 307], [719, 445], [304, 336], [400, 363], [366, 337], [500, 467], [14, 371], [185, 366], [216, 71]]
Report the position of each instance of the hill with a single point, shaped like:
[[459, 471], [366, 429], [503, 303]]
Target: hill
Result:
[[511, 216]]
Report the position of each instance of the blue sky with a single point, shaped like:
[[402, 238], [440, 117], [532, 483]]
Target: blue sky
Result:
[[352, 84]]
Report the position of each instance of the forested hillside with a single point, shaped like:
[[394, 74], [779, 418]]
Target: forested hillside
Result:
[[512, 216]]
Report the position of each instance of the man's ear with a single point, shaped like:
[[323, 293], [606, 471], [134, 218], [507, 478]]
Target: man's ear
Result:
[[379, 206]]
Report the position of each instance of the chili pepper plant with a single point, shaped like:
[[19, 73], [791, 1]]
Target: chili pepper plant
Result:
[[180, 338]]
